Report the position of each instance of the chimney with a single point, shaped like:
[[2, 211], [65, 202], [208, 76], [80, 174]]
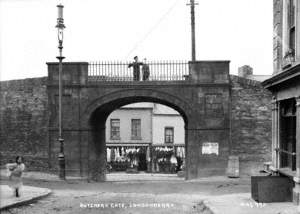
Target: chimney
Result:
[[245, 71]]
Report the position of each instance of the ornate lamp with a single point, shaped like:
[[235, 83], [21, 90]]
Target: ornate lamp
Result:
[[60, 35]]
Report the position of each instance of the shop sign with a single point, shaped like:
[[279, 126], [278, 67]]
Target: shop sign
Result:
[[210, 148]]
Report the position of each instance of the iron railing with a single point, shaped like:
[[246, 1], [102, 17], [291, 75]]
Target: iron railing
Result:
[[119, 71], [285, 152], [287, 158]]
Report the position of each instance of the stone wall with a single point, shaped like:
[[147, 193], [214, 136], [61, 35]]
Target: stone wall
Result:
[[24, 122], [251, 124]]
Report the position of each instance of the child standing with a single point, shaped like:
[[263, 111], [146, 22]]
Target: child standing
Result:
[[15, 171]]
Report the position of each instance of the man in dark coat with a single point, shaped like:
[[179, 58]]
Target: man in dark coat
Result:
[[146, 70], [136, 68]]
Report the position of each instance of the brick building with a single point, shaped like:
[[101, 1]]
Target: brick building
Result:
[[285, 86]]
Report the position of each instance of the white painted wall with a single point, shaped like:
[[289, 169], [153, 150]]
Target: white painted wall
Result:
[[125, 115], [139, 105], [154, 119], [161, 121], [162, 109]]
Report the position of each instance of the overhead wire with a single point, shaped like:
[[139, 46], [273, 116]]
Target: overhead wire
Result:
[[162, 18]]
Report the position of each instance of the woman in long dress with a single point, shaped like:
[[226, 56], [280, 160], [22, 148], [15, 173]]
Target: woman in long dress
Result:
[[15, 171]]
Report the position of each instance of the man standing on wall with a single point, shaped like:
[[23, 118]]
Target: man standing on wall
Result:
[[146, 70], [136, 68]]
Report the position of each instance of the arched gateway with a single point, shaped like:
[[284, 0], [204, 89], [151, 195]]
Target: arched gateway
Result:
[[202, 98]]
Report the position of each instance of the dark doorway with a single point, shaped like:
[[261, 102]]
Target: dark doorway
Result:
[[142, 166]]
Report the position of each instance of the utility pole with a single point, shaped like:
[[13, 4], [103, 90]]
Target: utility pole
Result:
[[193, 33]]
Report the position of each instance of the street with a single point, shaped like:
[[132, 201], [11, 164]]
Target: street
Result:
[[131, 196]]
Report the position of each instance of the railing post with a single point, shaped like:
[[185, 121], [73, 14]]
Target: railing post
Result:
[[209, 71], [74, 73]]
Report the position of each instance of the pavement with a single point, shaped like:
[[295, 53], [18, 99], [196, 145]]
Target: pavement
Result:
[[142, 176], [28, 194], [213, 195], [242, 203]]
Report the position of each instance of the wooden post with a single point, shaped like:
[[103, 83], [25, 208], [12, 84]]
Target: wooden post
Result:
[[193, 32]]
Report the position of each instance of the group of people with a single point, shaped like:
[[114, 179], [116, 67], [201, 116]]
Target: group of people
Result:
[[168, 159], [136, 69]]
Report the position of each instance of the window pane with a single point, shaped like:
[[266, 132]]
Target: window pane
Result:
[[292, 40], [291, 14], [115, 129], [288, 134], [136, 128], [169, 135]]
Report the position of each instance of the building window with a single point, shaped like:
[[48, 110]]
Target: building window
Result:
[[213, 105], [287, 150], [169, 134], [136, 129], [289, 32], [291, 25], [115, 129]]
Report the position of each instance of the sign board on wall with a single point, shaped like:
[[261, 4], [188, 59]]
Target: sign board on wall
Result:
[[210, 148]]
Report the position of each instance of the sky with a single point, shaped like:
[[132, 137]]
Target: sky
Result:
[[106, 30]]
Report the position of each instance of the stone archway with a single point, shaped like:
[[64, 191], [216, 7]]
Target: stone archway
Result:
[[100, 109], [203, 99]]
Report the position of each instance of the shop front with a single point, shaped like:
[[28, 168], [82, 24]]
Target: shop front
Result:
[[167, 159], [127, 157], [134, 158], [285, 87]]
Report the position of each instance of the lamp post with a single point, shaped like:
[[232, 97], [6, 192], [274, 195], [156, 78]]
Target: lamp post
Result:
[[60, 28]]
